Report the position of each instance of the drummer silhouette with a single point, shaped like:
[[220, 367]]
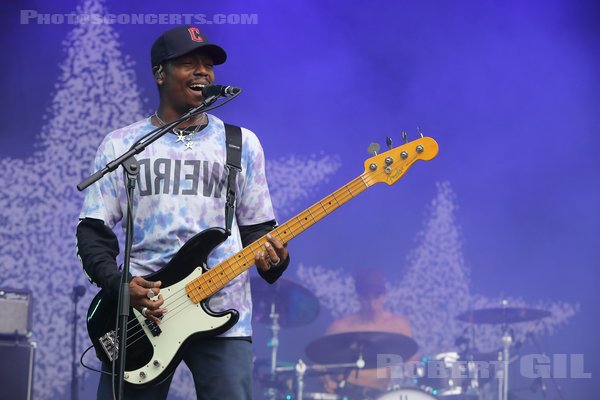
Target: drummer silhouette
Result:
[[371, 317]]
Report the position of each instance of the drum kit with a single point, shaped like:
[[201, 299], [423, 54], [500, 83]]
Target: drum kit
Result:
[[452, 375]]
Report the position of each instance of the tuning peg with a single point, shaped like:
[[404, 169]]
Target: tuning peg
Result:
[[404, 137], [373, 148], [419, 131], [388, 142]]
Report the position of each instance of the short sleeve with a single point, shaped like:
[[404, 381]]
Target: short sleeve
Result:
[[101, 199], [254, 204]]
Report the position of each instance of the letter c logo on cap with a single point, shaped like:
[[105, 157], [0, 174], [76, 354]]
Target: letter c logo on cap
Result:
[[195, 34]]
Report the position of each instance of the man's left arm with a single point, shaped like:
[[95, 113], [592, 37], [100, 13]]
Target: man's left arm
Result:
[[266, 267]]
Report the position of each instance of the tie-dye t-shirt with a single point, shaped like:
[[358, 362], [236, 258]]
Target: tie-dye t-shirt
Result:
[[180, 193]]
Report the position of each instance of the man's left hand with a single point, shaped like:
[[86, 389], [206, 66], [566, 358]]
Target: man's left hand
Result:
[[272, 256]]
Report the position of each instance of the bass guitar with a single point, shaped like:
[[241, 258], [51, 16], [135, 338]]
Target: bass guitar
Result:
[[154, 351]]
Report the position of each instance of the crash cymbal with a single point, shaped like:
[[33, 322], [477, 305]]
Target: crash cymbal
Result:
[[502, 315], [295, 304], [346, 347]]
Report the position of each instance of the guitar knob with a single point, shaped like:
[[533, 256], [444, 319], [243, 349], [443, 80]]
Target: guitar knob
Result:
[[419, 149], [404, 155], [156, 363], [142, 375]]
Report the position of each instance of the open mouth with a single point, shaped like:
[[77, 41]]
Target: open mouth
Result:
[[197, 87]]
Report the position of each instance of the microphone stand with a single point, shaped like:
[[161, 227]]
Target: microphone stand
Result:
[[131, 166]]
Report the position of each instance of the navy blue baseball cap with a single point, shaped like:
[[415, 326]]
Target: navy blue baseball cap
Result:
[[182, 40]]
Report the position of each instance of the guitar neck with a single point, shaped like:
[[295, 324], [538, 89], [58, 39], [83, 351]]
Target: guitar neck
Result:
[[217, 277]]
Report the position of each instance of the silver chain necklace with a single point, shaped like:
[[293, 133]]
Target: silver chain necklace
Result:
[[183, 135]]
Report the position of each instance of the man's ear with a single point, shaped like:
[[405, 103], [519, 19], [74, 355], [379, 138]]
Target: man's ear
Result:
[[159, 75]]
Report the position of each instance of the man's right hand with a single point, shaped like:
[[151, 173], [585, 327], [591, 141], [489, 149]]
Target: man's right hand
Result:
[[146, 298]]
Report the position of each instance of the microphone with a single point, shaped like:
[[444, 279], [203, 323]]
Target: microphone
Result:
[[219, 91]]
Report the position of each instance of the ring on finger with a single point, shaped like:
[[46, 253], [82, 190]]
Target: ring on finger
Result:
[[275, 263], [144, 311]]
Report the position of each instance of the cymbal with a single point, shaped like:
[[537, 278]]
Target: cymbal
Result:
[[347, 347], [295, 304], [502, 315]]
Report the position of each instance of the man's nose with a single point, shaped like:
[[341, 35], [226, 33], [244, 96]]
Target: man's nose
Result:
[[201, 69]]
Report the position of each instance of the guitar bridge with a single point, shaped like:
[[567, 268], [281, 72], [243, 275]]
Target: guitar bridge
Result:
[[110, 345]]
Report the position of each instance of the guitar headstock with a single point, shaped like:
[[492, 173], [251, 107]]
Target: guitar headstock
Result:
[[391, 165]]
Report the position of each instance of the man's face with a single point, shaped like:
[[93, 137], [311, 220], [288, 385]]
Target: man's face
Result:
[[183, 78]]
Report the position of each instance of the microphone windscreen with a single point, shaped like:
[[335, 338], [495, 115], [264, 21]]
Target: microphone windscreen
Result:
[[211, 91]]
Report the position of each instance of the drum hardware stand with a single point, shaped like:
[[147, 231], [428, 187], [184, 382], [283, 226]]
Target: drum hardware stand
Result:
[[542, 385], [274, 344], [466, 346], [504, 356], [472, 371], [300, 368], [282, 305], [506, 342], [504, 316]]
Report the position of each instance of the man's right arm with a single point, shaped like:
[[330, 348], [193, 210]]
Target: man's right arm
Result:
[[97, 248]]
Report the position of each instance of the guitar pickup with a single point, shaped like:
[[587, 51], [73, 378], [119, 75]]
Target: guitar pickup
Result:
[[153, 327]]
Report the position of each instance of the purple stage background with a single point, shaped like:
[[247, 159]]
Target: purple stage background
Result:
[[510, 90]]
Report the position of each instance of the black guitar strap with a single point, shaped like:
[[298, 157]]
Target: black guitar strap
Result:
[[233, 142]]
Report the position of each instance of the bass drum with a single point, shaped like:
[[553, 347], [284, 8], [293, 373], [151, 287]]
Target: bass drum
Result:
[[406, 394]]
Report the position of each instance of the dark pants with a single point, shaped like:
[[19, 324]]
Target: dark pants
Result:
[[221, 367]]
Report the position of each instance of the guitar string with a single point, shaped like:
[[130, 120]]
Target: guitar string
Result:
[[362, 181]]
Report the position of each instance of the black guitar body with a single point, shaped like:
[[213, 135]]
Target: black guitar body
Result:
[[154, 351]]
